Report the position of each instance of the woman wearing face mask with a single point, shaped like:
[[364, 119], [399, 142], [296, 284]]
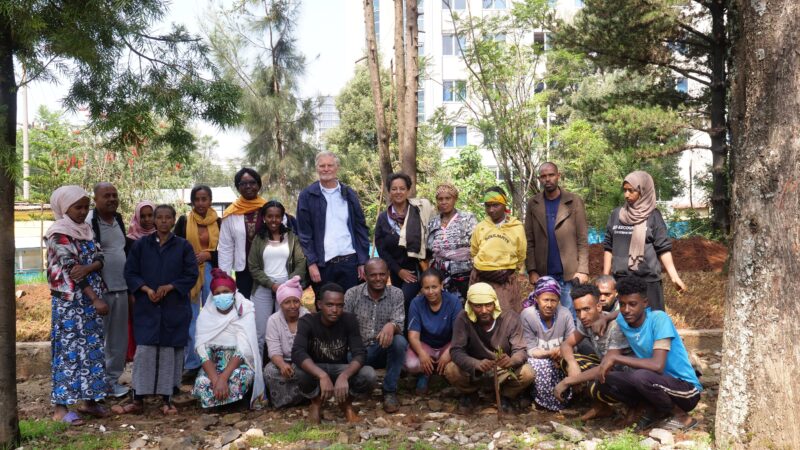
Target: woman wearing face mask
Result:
[[498, 247], [160, 271], [281, 329], [227, 345], [74, 261], [201, 228], [142, 224], [275, 256]]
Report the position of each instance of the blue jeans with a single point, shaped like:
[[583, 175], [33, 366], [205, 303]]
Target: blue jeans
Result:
[[566, 297], [192, 360], [391, 357]]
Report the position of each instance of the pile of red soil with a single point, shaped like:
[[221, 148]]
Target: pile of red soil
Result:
[[694, 254]]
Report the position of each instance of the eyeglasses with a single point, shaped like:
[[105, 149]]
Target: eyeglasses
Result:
[[248, 183]]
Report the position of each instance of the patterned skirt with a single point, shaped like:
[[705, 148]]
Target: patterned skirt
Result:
[[78, 365], [547, 376], [240, 382]]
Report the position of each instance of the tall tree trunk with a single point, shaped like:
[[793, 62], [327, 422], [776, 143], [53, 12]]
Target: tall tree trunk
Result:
[[399, 72], [377, 96], [759, 393], [408, 149], [9, 420], [720, 197]]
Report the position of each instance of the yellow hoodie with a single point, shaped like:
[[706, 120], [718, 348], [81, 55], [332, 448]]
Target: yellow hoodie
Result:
[[498, 247]]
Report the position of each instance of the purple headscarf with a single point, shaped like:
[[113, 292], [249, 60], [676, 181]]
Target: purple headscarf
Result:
[[543, 284]]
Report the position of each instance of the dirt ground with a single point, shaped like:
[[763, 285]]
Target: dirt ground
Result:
[[700, 262]]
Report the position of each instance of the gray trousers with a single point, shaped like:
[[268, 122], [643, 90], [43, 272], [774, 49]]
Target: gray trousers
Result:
[[115, 328]]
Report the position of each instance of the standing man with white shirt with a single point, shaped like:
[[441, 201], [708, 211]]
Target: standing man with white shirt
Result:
[[109, 231], [332, 228]]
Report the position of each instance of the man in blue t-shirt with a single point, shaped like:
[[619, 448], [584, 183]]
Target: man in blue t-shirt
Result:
[[662, 381]]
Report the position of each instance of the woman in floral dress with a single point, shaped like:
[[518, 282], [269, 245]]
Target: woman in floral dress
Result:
[[449, 237], [74, 261], [228, 347]]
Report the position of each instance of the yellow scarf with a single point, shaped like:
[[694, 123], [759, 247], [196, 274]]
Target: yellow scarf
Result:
[[242, 206], [193, 220]]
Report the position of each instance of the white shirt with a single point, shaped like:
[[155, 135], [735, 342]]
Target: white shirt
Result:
[[275, 256], [338, 241], [232, 244]]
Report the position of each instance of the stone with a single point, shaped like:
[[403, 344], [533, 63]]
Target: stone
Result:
[[461, 439], [412, 439], [548, 445], [497, 435], [649, 443], [364, 435], [568, 433], [430, 426], [139, 443], [343, 438], [227, 437], [687, 445], [436, 415], [476, 437], [435, 405], [444, 439], [661, 435], [588, 445], [380, 432], [490, 446], [254, 433], [454, 422], [207, 420], [19, 293], [231, 419], [177, 443], [381, 422]]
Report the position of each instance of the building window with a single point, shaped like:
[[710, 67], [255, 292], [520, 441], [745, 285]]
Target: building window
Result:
[[494, 4], [377, 17], [454, 90], [421, 105], [579, 3], [457, 137], [457, 5], [541, 39], [453, 45], [682, 85]]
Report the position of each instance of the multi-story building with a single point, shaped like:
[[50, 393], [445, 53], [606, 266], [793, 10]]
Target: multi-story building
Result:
[[326, 116]]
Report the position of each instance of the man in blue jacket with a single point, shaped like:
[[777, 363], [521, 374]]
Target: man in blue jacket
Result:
[[332, 228]]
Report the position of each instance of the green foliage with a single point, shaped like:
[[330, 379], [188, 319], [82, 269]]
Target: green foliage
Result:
[[255, 44], [467, 173], [302, 432], [624, 441], [50, 435]]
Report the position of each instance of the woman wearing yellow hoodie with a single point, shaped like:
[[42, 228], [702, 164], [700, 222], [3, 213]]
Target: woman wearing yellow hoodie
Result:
[[498, 249]]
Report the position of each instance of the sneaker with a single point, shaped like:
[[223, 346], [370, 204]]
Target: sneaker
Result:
[[466, 403], [390, 403], [118, 390], [422, 384]]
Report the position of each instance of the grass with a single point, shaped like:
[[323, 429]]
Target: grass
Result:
[[39, 277], [623, 441], [51, 435], [298, 432]]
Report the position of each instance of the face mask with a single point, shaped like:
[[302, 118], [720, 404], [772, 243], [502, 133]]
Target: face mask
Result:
[[223, 301]]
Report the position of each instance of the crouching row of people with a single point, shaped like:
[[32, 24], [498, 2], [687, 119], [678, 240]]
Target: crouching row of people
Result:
[[632, 356]]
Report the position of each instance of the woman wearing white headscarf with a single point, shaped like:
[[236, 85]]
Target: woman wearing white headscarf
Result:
[[227, 343], [637, 240], [74, 261]]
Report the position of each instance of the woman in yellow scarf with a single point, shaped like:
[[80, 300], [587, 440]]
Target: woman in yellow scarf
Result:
[[201, 228], [241, 221]]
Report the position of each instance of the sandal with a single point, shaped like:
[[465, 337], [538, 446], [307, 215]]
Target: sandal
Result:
[[130, 408], [169, 410], [645, 422], [675, 425], [95, 410], [73, 419]]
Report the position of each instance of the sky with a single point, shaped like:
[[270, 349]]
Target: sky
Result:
[[329, 33]]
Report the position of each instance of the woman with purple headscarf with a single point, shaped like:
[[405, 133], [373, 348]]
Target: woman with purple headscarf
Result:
[[545, 325]]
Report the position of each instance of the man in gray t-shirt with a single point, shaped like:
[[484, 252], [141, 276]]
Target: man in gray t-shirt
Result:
[[583, 368], [109, 231]]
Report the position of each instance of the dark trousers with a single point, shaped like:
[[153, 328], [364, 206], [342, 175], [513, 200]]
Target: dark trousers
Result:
[[361, 383], [588, 361], [655, 295], [342, 270], [659, 391], [244, 283]]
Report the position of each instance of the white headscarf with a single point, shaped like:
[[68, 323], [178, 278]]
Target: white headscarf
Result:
[[60, 201], [240, 321]]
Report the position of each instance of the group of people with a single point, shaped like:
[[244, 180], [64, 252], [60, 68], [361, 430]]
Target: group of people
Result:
[[441, 298]]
